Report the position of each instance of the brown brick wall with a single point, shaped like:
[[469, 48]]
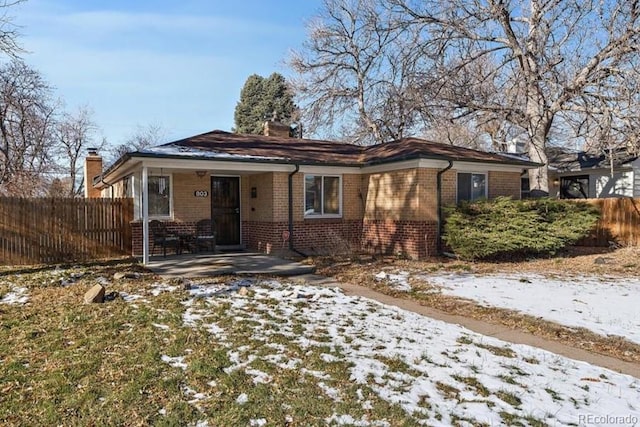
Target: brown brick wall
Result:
[[392, 195], [319, 236], [281, 196], [352, 197], [415, 239], [186, 206], [504, 184], [449, 187], [406, 195], [92, 168], [259, 208], [401, 211]]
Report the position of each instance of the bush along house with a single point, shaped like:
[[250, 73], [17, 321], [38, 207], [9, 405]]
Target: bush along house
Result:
[[274, 193]]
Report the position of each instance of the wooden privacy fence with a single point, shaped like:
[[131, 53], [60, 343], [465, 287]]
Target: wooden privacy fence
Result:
[[619, 223], [53, 230]]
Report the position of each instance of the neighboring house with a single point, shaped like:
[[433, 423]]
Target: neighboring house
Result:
[[272, 192], [581, 175]]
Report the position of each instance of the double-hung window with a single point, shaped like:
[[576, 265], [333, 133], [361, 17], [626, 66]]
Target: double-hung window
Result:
[[471, 186], [322, 196], [160, 195]]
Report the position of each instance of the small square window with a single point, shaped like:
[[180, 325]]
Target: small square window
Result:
[[472, 186], [322, 196]]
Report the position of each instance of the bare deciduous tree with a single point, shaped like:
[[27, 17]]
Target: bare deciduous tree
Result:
[[512, 68], [355, 73], [26, 130], [143, 137], [8, 32], [74, 133], [543, 61]]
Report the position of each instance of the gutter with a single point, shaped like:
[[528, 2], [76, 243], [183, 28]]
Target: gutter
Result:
[[291, 246], [439, 201]]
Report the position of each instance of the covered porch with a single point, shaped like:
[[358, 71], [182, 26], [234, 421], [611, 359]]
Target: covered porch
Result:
[[243, 200]]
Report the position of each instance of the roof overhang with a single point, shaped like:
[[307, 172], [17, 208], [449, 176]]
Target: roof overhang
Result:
[[130, 163], [586, 171]]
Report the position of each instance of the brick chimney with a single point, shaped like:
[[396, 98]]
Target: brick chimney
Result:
[[273, 127], [92, 168]]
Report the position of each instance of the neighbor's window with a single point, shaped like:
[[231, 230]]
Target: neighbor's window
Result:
[[574, 187], [525, 188], [159, 195], [472, 186], [322, 195]]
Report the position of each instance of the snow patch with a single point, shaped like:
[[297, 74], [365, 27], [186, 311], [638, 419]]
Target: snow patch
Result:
[[18, 295], [161, 326], [242, 399], [398, 281], [604, 306], [176, 362]]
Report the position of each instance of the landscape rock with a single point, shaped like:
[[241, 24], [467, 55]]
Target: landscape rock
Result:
[[604, 260], [94, 295]]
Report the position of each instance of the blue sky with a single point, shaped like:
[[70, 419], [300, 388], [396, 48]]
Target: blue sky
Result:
[[180, 64]]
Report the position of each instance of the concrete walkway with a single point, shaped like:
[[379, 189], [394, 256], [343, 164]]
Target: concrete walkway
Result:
[[498, 331], [241, 263]]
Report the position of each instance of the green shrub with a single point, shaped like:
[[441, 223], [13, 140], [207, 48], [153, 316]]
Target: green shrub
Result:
[[493, 229]]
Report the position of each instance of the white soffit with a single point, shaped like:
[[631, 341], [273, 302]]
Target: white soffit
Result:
[[486, 167], [231, 167]]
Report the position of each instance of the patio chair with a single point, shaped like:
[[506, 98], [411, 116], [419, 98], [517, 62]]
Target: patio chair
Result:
[[205, 235], [161, 237]]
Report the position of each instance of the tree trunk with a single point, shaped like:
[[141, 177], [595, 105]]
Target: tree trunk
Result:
[[539, 177]]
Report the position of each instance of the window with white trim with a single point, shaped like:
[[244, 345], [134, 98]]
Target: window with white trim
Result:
[[472, 186], [160, 195], [322, 196]]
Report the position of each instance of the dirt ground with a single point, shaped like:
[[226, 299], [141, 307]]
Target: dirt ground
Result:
[[622, 262]]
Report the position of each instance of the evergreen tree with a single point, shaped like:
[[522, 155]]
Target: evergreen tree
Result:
[[259, 99]]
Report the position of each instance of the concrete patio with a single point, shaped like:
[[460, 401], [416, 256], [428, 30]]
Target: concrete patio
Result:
[[241, 263]]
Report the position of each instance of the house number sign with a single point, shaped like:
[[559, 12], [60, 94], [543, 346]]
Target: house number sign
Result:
[[201, 193]]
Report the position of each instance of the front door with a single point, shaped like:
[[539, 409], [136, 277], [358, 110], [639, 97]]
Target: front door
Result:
[[225, 209]]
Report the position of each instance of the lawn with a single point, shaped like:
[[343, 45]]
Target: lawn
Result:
[[245, 351]]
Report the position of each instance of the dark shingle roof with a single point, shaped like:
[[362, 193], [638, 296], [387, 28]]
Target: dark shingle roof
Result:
[[225, 145], [565, 161], [410, 148]]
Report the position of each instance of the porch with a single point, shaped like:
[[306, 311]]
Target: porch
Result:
[[240, 263]]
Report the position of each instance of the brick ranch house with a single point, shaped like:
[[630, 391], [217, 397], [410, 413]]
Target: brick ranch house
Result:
[[272, 193]]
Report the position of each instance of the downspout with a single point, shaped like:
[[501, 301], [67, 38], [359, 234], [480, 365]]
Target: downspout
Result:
[[102, 181], [439, 201], [291, 246]]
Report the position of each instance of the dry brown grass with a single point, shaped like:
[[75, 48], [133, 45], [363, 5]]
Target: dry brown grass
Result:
[[623, 262]]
